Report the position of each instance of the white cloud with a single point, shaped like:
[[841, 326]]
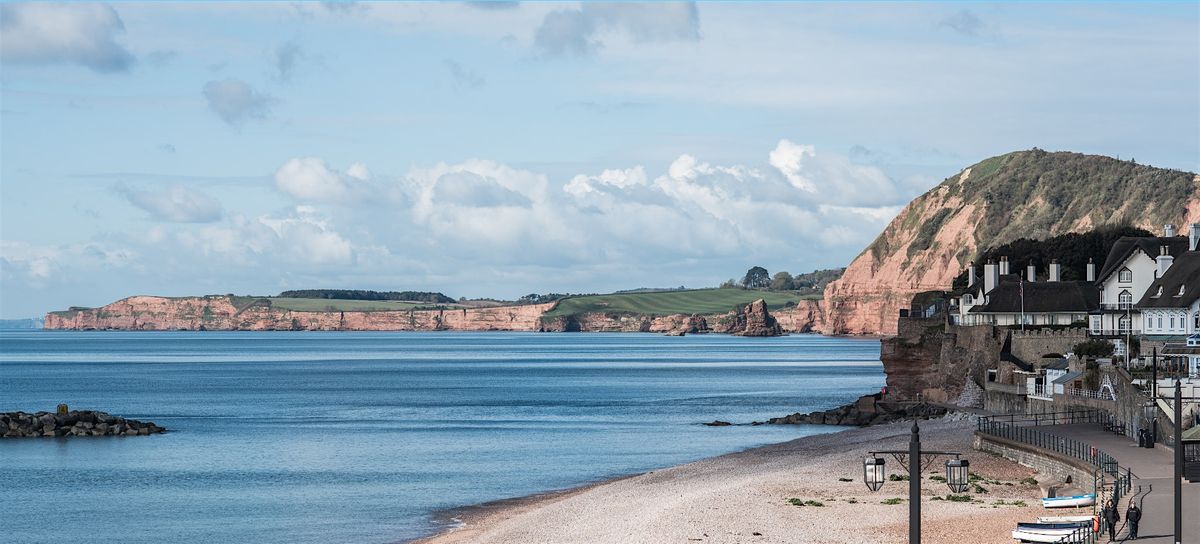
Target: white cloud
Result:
[[832, 178], [309, 179], [177, 204], [235, 102], [55, 33]]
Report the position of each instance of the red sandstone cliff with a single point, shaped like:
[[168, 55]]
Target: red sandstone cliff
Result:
[[219, 313], [1027, 194]]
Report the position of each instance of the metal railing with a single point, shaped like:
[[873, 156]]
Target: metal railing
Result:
[[1089, 393], [1114, 332], [1011, 427]]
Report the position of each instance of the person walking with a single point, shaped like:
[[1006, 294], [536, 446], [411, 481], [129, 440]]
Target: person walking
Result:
[[1110, 516], [1132, 516]]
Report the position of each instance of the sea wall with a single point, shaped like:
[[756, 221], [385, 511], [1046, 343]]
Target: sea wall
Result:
[[1046, 462], [219, 313], [933, 361]]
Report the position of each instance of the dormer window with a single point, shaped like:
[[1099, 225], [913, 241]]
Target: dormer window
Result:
[[1125, 276], [1181, 288], [1159, 292]]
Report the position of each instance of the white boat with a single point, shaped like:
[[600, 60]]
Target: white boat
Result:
[[1064, 519], [1030, 536], [1069, 502]]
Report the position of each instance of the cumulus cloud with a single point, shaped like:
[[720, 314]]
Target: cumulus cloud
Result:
[[579, 31], [298, 236], [63, 33], [832, 178], [309, 179], [235, 102], [177, 204]]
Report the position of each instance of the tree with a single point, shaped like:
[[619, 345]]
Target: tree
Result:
[[1094, 348], [756, 278], [729, 284], [782, 281]]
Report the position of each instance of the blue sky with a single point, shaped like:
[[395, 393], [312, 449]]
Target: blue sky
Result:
[[502, 149]]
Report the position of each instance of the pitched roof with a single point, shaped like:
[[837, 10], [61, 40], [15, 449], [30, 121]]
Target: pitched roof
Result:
[[1068, 378], [1185, 273], [1041, 297], [1126, 245]]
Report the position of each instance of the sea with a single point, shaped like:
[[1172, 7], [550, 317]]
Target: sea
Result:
[[348, 437]]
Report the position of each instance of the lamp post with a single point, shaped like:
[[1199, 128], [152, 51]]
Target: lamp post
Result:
[[1178, 460], [915, 460]]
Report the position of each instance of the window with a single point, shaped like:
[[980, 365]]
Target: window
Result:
[[1159, 292], [1125, 299], [1160, 322], [1172, 322], [967, 298], [1181, 287], [1123, 324], [1126, 276], [1096, 322], [1196, 322]]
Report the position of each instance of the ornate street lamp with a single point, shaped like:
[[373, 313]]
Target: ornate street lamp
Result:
[[915, 461], [958, 474], [873, 473]]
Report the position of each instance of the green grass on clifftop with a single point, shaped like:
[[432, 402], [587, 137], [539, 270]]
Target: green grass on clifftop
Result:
[[333, 305], [699, 301]]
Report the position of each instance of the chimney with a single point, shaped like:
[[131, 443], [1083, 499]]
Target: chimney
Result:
[[1168, 230], [1056, 271], [1194, 237], [1031, 273], [1003, 266], [991, 277], [971, 274], [1164, 261], [1091, 270]]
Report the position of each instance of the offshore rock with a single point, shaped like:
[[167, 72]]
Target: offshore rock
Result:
[[73, 423], [754, 320]]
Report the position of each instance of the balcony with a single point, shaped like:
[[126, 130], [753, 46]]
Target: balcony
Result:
[[1114, 332], [1117, 306], [1090, 394]]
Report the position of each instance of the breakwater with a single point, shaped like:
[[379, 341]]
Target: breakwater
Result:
[[72, 423]]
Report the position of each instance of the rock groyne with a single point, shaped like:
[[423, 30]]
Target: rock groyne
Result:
[[73, 423]]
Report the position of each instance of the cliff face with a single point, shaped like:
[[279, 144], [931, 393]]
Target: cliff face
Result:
[[806, 316], [219, 313], [1027, 194]]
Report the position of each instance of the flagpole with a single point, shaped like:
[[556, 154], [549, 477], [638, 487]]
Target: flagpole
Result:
[[1022, 286]]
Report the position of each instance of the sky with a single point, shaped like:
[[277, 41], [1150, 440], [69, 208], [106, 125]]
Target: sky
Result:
[[499, 149]]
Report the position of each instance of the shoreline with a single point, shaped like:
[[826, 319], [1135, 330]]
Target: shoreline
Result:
[[743, 497]]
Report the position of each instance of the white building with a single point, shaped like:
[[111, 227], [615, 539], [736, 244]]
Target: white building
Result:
[[1132, 266], [1005, 299]]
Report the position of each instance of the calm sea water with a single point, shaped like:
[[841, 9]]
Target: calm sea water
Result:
[[361, 437]]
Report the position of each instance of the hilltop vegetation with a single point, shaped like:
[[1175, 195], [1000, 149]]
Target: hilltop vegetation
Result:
[[1071, 250], [697, 301], [330, 305], [360, 294]]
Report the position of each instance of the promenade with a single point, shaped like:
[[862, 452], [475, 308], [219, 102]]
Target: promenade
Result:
[[1153, 471]]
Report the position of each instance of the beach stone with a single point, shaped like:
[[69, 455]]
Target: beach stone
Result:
[[718, 423]]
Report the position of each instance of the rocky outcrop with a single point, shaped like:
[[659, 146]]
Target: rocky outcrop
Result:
[[1027, 194], [73, 423], [867, 410], [220, 313], [754, 320]]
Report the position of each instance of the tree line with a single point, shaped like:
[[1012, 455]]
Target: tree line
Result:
[[361, 294]]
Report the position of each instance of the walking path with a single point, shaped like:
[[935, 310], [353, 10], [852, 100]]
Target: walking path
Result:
[[1153, 469]]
